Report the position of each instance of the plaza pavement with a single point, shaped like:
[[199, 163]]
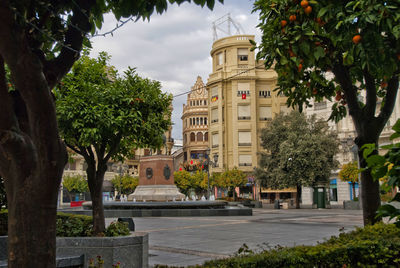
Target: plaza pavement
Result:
[[182, 241]]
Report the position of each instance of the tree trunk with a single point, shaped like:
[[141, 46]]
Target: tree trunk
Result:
[[298, 196], [370, 195], [353, 185], [95, 182], [32, 190]]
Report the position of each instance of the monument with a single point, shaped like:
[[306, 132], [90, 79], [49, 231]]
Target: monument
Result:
[[156, 180]]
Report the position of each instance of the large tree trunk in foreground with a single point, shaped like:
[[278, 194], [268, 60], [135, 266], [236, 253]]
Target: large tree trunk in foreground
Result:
[[32, 209], [369, 193], [95, 182]]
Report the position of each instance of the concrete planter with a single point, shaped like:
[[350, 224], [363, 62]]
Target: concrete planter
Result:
[[131, 251]]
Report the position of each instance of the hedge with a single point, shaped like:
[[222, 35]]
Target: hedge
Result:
[[372, 246], [72, 225]]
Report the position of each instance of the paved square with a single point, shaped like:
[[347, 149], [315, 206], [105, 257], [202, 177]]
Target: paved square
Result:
[[185, 241]]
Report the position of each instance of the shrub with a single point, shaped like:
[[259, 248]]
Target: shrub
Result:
[[72, 225], [372, 246], [117, 228]]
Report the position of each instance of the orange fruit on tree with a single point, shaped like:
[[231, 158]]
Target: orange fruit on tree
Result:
[[356, 39], [300, 67], [308, 10], [292, 17], [384, 84], [291, 53], [338, 96], [315, 91], [304, 3], [283, 23]]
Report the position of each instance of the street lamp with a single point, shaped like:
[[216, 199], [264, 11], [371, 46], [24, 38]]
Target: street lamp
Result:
[[213, 163]]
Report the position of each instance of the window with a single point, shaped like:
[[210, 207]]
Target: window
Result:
[[333, 190], [244, 138], [214, 115], [243, 54], [215, 141], [214, 94], [192, 136], [243, 88], [201, 120], [198, 103], [184, 139], [206, 136], [220, 58], [265, 113], [245, 160], [190, 121], [244, 112], [197, 121], [264, 93], [205, 120], [205, 102], [199, 136]]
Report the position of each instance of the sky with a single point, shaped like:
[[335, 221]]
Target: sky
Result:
[[173, 48]]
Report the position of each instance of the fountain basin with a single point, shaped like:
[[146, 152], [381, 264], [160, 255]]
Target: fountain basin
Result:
[[166, 209]]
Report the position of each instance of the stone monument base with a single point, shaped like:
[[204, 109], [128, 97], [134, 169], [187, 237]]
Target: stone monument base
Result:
[[156, 193]]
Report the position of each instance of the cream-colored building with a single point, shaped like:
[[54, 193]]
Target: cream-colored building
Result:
[[241, 103], [340, 190], [195, 122]]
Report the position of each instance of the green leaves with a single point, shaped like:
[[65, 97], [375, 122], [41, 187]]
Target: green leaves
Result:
[[97, 107], [300, 151]]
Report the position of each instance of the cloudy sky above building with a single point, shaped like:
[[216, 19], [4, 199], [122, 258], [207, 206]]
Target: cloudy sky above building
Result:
[[173, 48]]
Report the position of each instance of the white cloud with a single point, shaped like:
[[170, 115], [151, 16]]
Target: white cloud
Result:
[[173, 48]]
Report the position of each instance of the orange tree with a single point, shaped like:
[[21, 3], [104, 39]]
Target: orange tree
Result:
[[349, 172], [232, 178], [39, 43], [347, 50]]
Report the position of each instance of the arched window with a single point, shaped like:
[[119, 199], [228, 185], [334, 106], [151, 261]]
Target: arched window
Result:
[[190, 121], [192, 136], [197, 121], [201, 120], [205, 120], [199, 136], [206, 136]]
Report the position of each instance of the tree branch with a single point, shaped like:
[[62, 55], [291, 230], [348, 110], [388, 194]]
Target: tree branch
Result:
[[113, 148], [390, 98], [73, 148], [58, 67], [370, 106], [343, 77]]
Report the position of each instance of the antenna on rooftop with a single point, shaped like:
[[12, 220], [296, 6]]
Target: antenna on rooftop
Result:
[[223, 24]]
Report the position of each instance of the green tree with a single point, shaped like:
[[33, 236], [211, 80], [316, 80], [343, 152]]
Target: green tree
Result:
[[104, 116], [125, 184], [40, 41], [300, 152], [349, 172], [182, 181], [348, 49], [231, 179], [75, 184]]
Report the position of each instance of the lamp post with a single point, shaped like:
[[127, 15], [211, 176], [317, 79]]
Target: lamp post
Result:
[[213, 163]]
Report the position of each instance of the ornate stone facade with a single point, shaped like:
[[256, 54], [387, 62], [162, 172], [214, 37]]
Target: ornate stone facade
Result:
[[195, 122]]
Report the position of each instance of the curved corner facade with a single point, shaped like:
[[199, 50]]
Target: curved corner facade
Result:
[[241, 103]]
